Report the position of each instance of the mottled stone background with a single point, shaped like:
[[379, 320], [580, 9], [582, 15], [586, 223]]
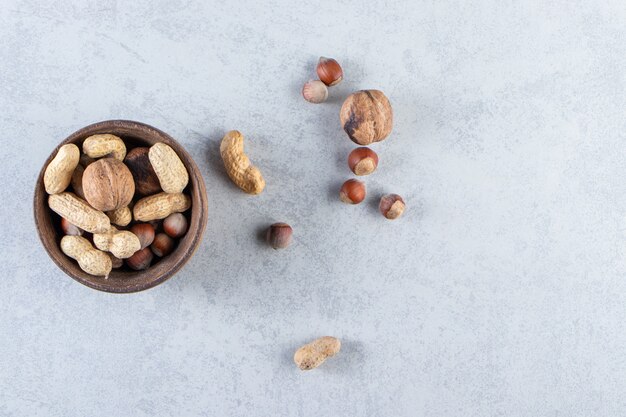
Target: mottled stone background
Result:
[[501, 292]]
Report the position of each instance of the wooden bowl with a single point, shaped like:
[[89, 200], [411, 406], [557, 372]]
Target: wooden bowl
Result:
[[125, 280]]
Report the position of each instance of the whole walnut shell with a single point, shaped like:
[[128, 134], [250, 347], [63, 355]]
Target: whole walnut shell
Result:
[[366, 116], [108, 184], [146, 180]]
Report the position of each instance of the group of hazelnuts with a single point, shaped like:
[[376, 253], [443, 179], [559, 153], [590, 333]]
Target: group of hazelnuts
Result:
[[366, 116]]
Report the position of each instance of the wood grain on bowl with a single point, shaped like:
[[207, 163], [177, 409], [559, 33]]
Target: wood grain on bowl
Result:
[[125, 281]]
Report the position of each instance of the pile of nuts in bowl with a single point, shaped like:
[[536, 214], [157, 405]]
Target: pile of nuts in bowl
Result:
[[112, 202]]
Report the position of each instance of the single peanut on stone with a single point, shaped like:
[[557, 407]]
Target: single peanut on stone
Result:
[[313, 354], [238, 166]]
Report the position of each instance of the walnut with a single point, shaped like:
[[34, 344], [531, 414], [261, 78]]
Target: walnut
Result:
[[108, 184], [366, 116]]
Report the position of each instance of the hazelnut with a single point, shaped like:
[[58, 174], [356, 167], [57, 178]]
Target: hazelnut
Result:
[[352, 192], [69, 229], [175, 225], [140, 259], [279, 235], [315, 91], [363, 161], [108, 184], [329, 71], [146, 180], [163, 245], [391, 206], [145, 233], [366, 116]]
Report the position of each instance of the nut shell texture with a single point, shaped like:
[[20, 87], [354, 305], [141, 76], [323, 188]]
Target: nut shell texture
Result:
[[79, 213], [366, 116], [363, 161], [175, 225], [145, 233], [121, 217], [313, 354], [168, 167], [97, 146], [140, 260], [163, 245], [352, 192], [315, 91], [391, 206], [329, 71], [121, 243], [58, 174], [90, 260], [159, 206], [279, 235], [238, 166], [108, 184]]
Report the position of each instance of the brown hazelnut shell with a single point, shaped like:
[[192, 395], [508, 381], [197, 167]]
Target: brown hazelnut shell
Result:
[[145, 233], [279, 235], [329, 71], [162, 245], [362, 161], [352, 192], [140, 259], [391, 206]]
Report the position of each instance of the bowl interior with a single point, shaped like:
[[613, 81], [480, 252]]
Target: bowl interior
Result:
[[125, 280]]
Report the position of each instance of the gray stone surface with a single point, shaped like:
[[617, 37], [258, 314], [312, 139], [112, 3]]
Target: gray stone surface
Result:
[[500, 293]]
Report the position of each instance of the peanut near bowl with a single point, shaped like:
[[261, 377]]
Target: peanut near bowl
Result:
[[124, 279]]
